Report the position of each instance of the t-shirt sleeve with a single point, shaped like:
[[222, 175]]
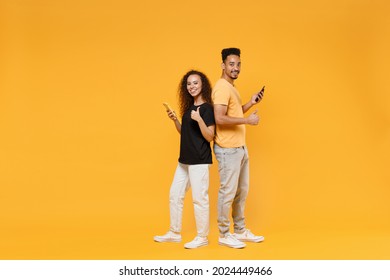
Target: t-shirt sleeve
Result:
[[208, 115], [221, 95]]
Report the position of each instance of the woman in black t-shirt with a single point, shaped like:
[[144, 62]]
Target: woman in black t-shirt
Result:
[[196, 132]]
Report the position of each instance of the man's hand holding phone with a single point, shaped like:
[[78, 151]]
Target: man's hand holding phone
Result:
[[259, 96]]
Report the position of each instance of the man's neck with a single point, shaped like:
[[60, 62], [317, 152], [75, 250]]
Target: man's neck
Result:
[[230, 80]]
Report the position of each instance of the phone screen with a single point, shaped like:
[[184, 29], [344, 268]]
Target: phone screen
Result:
[[260, 94]]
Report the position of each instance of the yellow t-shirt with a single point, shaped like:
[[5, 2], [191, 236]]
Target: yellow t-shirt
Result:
[[229, 136]]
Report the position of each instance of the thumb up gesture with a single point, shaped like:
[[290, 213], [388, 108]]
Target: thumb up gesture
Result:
[[195, 115], [253, 119]]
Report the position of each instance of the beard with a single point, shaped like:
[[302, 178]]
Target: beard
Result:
[[234, 75]]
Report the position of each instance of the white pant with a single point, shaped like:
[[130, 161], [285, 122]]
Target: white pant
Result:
[[196, 176]]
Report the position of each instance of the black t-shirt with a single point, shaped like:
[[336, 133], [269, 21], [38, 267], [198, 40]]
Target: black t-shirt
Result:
[[194, 148]]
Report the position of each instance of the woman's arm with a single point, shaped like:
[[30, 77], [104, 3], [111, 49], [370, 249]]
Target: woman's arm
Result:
[[173, 117], [207, 131]]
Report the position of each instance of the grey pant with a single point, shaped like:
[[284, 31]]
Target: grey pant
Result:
[[233, 167]]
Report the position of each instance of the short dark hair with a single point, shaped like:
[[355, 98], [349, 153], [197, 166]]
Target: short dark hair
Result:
[[229, 51]]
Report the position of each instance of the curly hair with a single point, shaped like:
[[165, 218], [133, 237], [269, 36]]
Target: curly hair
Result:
[[185, 98]]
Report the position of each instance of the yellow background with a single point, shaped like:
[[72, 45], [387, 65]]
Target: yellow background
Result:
[[87, 153]]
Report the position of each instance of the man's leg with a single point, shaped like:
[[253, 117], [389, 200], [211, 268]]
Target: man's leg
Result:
[[238, 207], [240, 231], [229, 161]]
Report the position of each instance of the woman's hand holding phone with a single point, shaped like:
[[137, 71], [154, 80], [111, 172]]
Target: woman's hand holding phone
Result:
[[171, 113]]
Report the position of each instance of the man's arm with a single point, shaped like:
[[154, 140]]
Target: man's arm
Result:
[[221, 117], [256, 98]]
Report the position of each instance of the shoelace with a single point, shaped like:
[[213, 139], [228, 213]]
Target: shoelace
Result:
[[229, 236]]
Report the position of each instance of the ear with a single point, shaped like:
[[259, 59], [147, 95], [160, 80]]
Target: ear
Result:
[[223, 66]]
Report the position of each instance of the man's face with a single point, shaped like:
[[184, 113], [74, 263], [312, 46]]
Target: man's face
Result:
[[231, 66]]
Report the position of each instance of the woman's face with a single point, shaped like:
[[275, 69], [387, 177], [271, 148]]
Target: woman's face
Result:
[[194, 85]]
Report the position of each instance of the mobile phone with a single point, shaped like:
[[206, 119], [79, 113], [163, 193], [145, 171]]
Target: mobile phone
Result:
[[166, 105], [260, 94]]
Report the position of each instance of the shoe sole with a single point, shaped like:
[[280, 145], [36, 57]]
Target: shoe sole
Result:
[[232, 246], [201, 245], [251, 240], [168, 240]]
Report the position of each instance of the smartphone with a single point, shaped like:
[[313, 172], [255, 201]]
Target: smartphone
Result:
[[260, 94], [166, 105]]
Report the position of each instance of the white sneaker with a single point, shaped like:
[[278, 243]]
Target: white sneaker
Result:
[[196, 243], [230, 241], [168, 237], [248, 236]]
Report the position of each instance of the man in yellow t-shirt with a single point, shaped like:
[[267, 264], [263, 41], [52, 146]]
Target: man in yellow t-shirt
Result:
[[231, 152]]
